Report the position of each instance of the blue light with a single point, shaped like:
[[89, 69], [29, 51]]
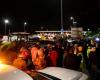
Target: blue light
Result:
[[97, 39]]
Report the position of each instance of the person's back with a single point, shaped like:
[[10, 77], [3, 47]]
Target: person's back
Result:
[[70, 62], [98, 56], [53, 57], [38, 59], [34, 51], [70, 59]]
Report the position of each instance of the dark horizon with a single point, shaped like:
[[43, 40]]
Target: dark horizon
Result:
[[46, 13]]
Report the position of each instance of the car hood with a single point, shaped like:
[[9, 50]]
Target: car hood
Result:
[[64, 74]]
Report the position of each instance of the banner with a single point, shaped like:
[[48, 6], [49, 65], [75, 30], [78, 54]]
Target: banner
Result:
[[77, 32]]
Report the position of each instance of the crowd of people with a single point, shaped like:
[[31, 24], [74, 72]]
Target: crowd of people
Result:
[[80, 55]]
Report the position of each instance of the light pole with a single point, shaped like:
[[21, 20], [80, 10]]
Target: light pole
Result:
[[61, 17], [6, 21], [25, 23], [72, 18]]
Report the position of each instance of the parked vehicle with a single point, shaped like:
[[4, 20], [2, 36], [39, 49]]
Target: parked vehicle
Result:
[[8, 72]]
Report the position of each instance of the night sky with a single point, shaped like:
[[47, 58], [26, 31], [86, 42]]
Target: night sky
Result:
[[45, 14]]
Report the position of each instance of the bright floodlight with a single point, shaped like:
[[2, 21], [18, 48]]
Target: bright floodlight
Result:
[[25, 23], [0, 62], [97, 39], [6, 21], [71, 18]]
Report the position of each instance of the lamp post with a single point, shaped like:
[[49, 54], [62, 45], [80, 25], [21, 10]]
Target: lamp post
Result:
[[72, 18], [88, 29], [73, 21], [61, 17], [6, 21], [25, 23]]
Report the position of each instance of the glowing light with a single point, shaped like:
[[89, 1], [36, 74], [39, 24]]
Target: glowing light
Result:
[[71, 18], [0, 62], [3, 60], [6, 21], [25, 23], [97, 39], [88, 29], [3, 68]]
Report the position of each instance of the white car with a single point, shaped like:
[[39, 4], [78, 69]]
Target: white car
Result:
[[63, 74], [8, 72]]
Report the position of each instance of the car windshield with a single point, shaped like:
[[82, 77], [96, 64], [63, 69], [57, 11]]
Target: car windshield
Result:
[[41, 76]]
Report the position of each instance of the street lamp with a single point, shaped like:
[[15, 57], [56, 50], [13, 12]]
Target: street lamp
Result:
[[6, 21], [25, 23], [73, 20], [88, 29], [61, 17]]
